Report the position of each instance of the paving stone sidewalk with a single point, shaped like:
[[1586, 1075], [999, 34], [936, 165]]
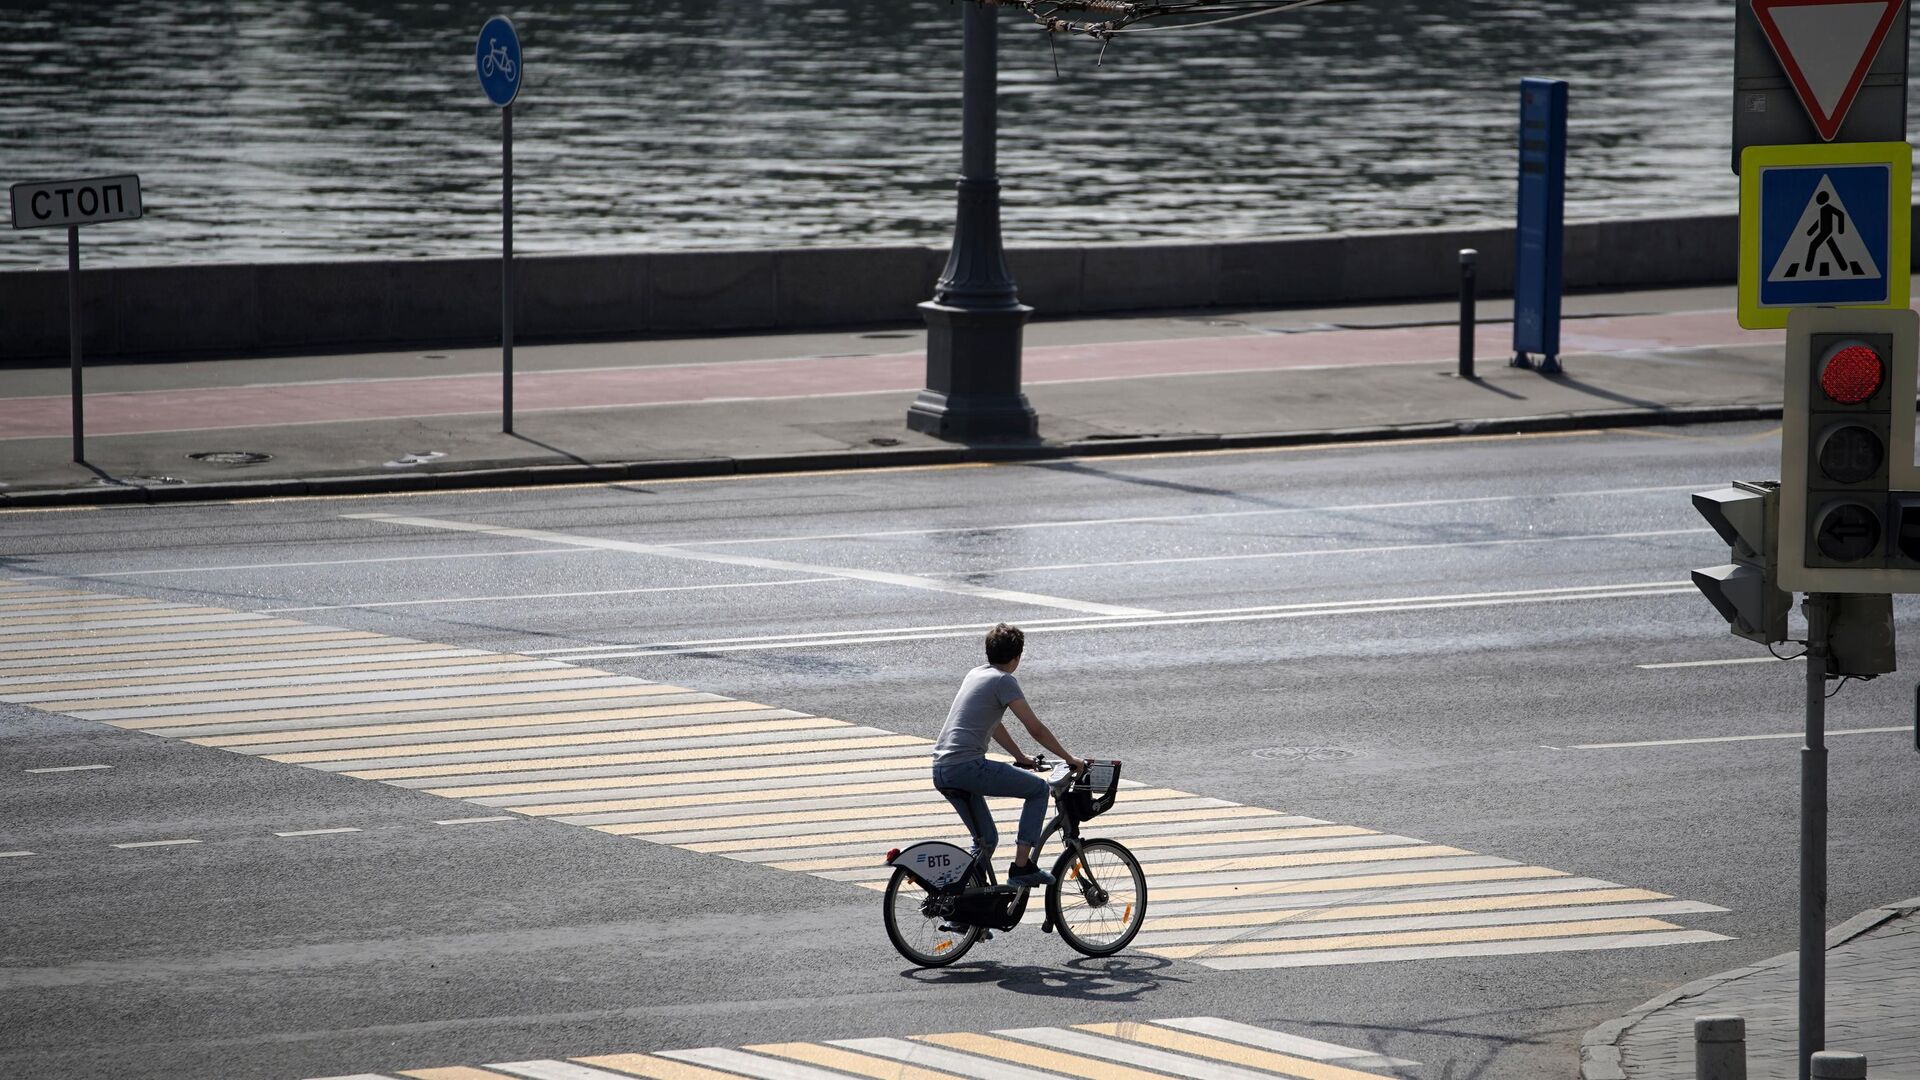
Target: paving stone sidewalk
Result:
[[1873, 1008]]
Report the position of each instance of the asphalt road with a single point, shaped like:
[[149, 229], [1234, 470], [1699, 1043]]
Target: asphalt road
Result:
[[1417, 638]]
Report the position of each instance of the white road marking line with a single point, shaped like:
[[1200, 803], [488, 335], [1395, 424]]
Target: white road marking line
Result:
[[311, 562], [881, 577], [1387, 607], [475, 820], [14, 854], [1574, 592], [1733, 738], [267, 682], [1296, 1045], [555, 1070], [316, 832], [745, 1064], [156, 843], [1376, 550], [1132, 1053], [1716, 663], [943, 1060], [1074, 523], [69, 768], [559, 595]]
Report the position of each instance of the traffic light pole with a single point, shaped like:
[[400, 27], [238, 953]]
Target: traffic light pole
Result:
[[1813, 838]]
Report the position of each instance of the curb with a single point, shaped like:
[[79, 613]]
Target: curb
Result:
[[768, 464], [1600, 1050]]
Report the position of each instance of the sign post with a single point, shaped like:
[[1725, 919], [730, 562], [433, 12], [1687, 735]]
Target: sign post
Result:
[[74, 203], [496, 56], [1826, 193]]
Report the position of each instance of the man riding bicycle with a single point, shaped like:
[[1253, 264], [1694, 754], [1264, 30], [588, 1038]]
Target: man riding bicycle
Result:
[[962, 772]]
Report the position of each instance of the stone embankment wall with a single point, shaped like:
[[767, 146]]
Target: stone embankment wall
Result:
[[171, 311]]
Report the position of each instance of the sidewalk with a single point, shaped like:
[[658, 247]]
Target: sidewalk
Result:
[[1873, 1008], [701, 406]]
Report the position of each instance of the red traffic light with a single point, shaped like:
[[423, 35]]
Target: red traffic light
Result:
[[1852, 374]]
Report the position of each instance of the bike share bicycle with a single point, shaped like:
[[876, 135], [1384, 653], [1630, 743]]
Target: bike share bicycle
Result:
[[943, 898]]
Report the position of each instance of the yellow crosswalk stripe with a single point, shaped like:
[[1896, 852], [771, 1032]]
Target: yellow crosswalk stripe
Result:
[[848, 1061], [1247, 836], [637, 757], [1417, 907], [253, 674], [692, 776], [430, 727], [368, 708], [1304, 858], [725, 798], [253, 652], [204, 645], [159, 629], [456, 1072], [1414, 937], [654, 1068], [90, 609], [587, 738], [1364, 881], [1232, 1053], [260, 693], [997, 1049]]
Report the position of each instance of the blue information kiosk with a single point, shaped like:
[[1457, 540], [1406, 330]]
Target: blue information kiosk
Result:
[[1537, 258]]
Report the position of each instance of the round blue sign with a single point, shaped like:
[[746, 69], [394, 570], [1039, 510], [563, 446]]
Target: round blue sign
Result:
[[496, 55]]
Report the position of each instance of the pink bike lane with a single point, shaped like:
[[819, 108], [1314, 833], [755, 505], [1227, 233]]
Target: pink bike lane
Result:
[[272, 405]]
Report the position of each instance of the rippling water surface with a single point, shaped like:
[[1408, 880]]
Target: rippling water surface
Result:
[[270, 130]]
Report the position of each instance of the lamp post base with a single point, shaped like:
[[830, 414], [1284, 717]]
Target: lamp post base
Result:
[[979, 397]]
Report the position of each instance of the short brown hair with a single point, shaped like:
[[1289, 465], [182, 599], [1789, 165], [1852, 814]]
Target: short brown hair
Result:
[[1005, 643]]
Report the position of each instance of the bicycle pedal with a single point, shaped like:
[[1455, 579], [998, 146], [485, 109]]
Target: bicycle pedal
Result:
[[986, 935]]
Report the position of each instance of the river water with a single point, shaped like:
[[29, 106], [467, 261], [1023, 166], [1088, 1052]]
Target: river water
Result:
[[276, 130]]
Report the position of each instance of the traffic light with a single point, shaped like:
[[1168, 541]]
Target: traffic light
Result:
[[1747, 517], [1850, 491]]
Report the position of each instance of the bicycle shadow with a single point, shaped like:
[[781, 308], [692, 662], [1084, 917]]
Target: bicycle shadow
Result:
[[1112, 978]]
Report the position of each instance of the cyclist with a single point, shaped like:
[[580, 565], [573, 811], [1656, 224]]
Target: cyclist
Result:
[[962, 772]]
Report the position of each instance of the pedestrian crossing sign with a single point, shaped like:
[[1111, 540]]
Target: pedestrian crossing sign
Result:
[[1823, 225]]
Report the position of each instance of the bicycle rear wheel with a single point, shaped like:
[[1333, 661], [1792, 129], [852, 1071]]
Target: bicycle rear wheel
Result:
[[914, 917], [1098, 898]]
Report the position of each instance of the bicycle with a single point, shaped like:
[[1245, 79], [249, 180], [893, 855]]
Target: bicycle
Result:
[[497, 60], [942, 898]]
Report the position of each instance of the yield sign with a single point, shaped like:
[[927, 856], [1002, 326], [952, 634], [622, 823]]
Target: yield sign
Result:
[[1826, 47]]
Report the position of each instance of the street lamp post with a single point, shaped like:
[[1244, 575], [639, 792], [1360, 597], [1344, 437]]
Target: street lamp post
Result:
[[975, 319]]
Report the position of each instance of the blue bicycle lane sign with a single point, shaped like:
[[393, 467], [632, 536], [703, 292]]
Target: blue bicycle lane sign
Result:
[[496, 56]]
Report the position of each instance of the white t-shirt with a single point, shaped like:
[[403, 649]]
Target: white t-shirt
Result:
[[983, 699]]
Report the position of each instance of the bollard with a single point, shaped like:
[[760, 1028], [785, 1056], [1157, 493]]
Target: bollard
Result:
[[1469, 258], [1837, 1065], [1719, 1048]]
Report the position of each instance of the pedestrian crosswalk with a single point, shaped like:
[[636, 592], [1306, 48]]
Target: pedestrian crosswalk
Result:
[[1192, 1048], [1232, 885]]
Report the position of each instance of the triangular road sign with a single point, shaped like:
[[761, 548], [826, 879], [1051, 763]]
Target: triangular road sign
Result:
[[1826, 245], [1826, 47]]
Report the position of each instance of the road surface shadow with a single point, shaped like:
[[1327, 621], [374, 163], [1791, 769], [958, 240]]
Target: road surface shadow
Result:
[[1113, 978]]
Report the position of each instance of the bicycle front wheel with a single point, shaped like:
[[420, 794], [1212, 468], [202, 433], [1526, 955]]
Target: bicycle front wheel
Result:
[[914, 918], [1098, 898]]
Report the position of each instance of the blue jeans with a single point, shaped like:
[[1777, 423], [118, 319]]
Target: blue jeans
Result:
[[966, 785]]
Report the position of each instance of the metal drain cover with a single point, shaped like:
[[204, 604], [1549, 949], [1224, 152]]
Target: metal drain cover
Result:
[[231, 457], [1305, 753]]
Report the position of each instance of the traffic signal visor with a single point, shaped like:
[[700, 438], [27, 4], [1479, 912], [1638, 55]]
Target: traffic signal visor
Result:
[[1744, 591]]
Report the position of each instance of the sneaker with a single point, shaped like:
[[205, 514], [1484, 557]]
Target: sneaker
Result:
[[1031, 877]]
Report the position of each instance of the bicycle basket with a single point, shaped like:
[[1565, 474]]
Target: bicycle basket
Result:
[[1093, 791]]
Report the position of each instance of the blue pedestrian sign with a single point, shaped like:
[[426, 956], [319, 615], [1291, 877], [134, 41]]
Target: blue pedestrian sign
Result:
[[496, 55], [1823, 226]]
